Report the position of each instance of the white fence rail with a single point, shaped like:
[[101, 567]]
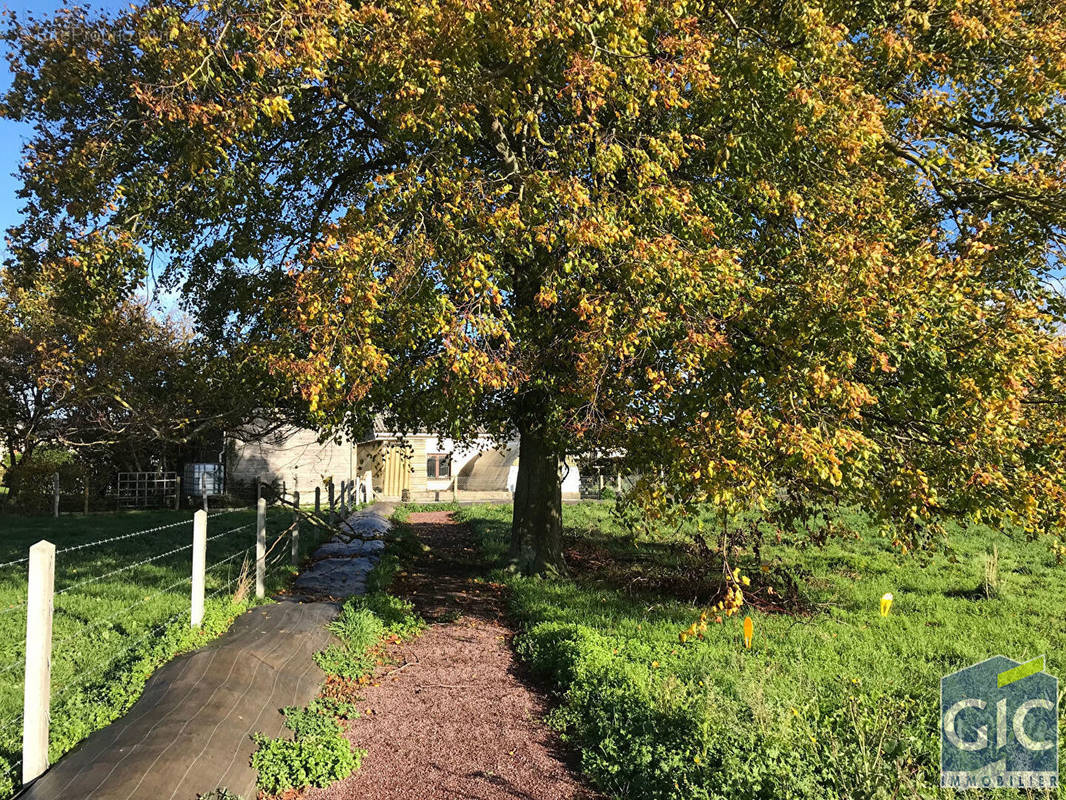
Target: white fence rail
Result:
[[39, 606]]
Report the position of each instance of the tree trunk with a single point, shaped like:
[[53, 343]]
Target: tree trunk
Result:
[[11, 475], [537, 521]]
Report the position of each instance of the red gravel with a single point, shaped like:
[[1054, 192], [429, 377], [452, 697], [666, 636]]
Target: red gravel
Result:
[[455, 717]]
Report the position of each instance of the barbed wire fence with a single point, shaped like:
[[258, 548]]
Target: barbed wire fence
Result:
[[93, 642]]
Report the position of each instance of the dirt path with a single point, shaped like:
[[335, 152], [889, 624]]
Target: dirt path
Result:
[[455, 717]]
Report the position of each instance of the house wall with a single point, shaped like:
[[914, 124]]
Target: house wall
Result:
[[462, 456], [293, 457], [571, 480]]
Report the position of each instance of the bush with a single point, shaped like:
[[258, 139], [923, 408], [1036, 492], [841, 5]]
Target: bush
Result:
[[31, 483]]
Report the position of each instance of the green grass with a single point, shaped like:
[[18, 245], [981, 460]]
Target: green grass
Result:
[[834, 701], [111, 631]]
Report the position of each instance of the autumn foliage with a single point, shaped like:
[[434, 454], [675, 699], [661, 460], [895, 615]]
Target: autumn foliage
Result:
[[779, 254]]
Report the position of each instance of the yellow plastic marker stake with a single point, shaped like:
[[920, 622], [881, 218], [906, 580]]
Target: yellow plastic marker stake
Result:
[[748, 630], [886, 604]]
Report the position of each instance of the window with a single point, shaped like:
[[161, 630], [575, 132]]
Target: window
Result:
[[438, 465]]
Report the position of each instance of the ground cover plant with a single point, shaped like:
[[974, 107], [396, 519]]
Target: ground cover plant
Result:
[[316, 755], [832, 699], [115, 623]]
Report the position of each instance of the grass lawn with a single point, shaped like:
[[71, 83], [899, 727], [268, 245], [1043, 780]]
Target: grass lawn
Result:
[[832, 700], [121, 609]]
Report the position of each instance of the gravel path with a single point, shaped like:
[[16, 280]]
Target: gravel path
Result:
[[455, 716]]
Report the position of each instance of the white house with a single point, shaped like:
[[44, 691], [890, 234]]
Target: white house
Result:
[[421, 467]]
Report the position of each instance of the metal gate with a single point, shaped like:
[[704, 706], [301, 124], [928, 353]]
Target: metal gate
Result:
[[146, 489]]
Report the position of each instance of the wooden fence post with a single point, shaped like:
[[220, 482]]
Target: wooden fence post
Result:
[[203, 488], [260, 548], [455, 489], [296, 529], [318, 500], [332, 504], [177, 494], [85, 504], [37, 689], [55, 495], [199, 566]]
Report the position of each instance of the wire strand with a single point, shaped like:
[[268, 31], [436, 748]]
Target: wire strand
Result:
[[101, 623], [110, 662], [143, 562], [19, 605], [120, 570], [64, 690], [156, 529]]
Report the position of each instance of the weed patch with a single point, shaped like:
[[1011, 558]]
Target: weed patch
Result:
[[316, 755]]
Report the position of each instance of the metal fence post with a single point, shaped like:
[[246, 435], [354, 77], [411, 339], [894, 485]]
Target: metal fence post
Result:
[[455, 489], [55, 495], [296, 529], [260, 548], [37, 689], [199, 566]]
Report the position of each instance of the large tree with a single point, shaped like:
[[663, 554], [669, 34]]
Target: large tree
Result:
[[775, 252], [88, 370]]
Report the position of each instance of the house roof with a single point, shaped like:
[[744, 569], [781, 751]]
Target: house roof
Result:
[[381, 432]]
